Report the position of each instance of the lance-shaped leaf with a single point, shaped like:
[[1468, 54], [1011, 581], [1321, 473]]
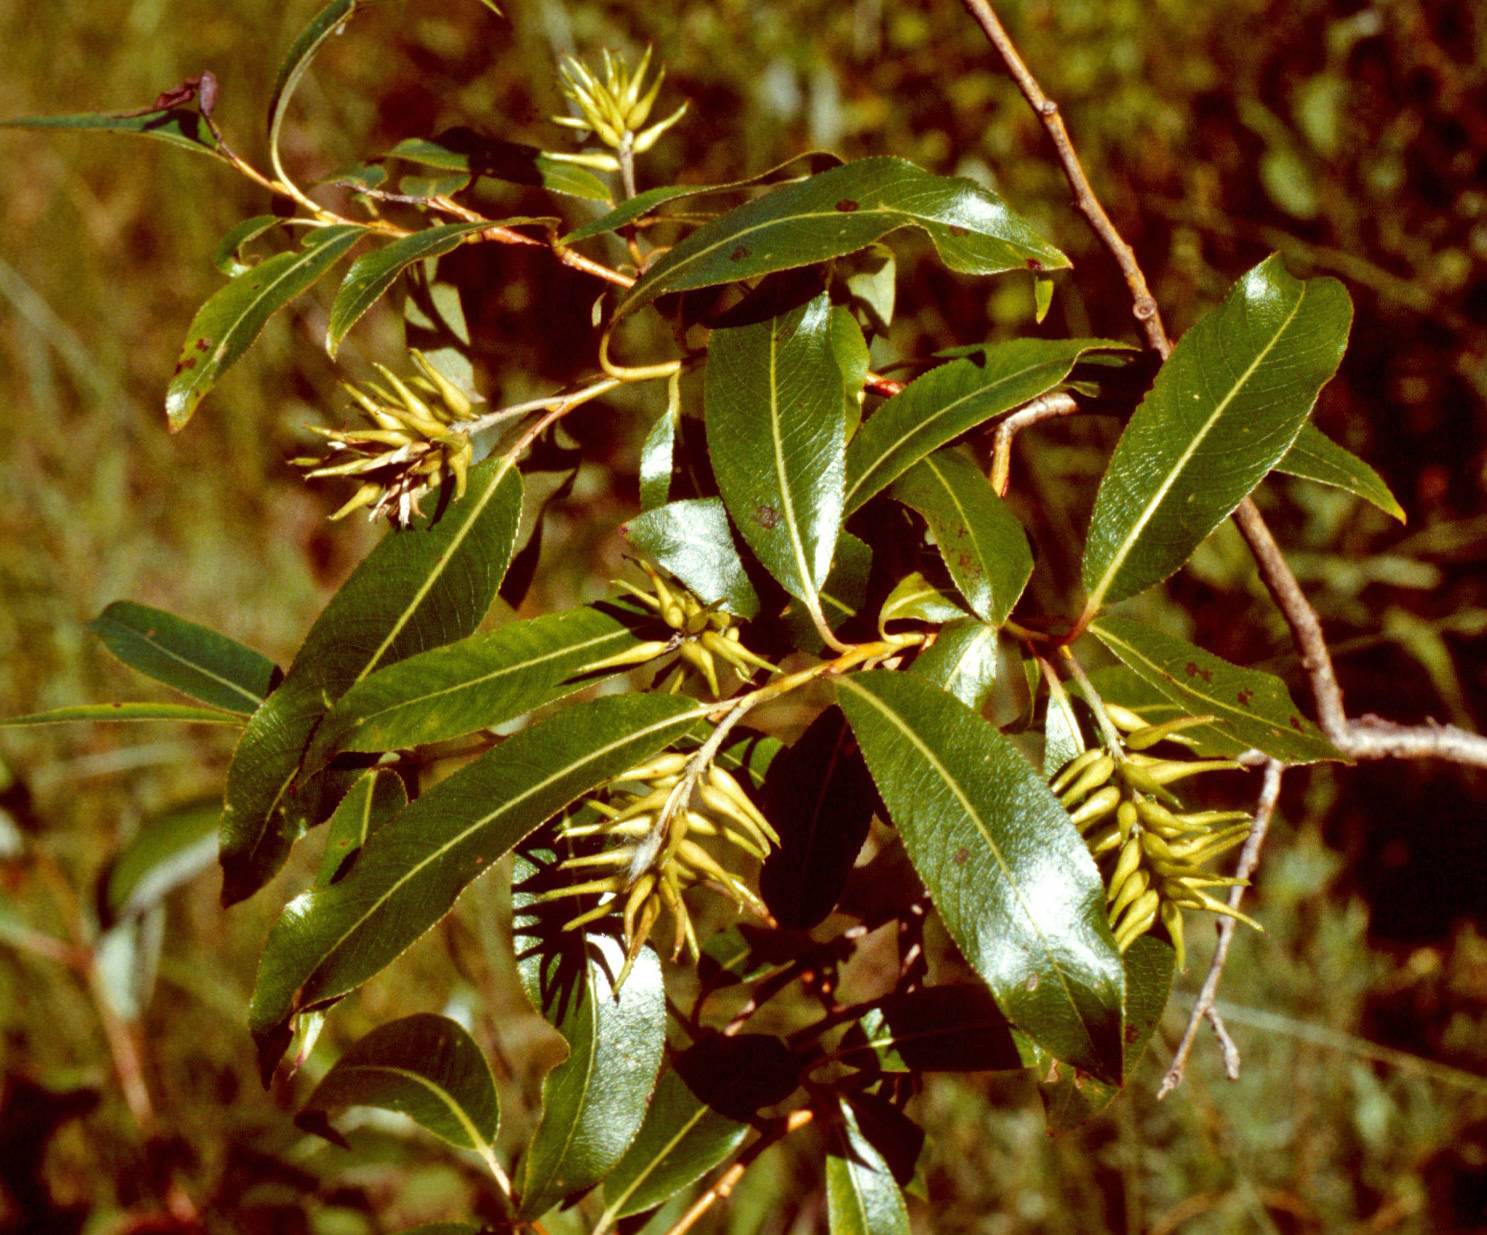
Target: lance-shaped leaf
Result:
[[169, 850], [373, 273], [657, 459], [693, 541], [953, 399], [474, 154], [332, 939], [777, 442], [594, 1102], [478, 682], [377, 797], [192, 659], [953, 1028], [329, 20], [228, 256], [227, 324], [962, 661], [419, 588], [1117, 684], [180, 126], [1315, 456], [424, 1066], [916, 599], [862, 1197], [1063, 739], [681, 1139], [840, 211], [180, 712], [1223, 411], [1010, 876], [983, 544], [1248, 706]]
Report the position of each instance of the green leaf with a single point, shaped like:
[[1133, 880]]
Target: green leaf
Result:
[[1223, 411], [594, 1102], [681, 1139], [373, 273], [916, 599], [180, 126], [850, 351], [329, 20], [464, 150], [227, 324], [1063, 739], [192, 659], [980, 539], [1250, 707], [862, 1197], [377, 797], [1117, 684], [330, 940], [840, 211], [169, 850], [842, 596], [423, 1066], [657, 459], [419, 588], [693, 541], [479, 682], [228, 257], [776, 440], [953, 399], [1315, 456], [1010, 876], [951, 1028], [125, 711], [962, 661]]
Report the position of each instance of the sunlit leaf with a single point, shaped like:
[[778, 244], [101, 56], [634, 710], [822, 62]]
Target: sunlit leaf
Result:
[[1315, 456], [693, 541], [862, 1197], [464, 150], [962, 661]]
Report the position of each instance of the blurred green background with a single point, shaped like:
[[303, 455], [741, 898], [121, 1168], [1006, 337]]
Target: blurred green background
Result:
[[1350, 136]]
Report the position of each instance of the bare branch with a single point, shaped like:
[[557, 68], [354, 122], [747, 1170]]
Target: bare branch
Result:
[[1045, 407]]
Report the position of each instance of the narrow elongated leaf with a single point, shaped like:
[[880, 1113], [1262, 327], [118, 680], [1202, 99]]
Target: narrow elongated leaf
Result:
[[419, 589], [962, 662], [594, 1102], [840, 211], [330, 940], [952, 1028], [1117, 684], [424, 1066], [227, 324], [849, 347], [693, 541], [329, 20], [1063, 739], [180, 712], [194, 660], [1315, 456], [983, 544], [776, 439], [168, 851], [1223, 411], [377, 797], [180, 126], [1250, 707], [464, 150], [228, 257], [373, 273], [862, 1197], [657, 460], [478, 682], [1010, 876], [953, 399], [681, 1139]]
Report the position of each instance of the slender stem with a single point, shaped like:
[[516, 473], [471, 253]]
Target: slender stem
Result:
[[1045, 407], [728, 1180], [633, 373], [1108, 731]]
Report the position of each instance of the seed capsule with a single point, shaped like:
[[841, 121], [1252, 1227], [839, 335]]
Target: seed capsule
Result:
[[1093, 776], [1096, 807]]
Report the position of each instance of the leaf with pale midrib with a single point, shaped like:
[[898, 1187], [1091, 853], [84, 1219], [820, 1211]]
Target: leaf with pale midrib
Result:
[[862, 1197]]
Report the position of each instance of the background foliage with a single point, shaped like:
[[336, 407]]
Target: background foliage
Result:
[[1351, 137]]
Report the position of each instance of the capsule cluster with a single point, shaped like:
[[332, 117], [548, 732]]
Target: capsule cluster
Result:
[[614, 106], [635, 845], [417, 441], [1154, 852]]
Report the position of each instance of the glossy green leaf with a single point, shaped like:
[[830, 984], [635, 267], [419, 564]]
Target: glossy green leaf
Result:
[[423, 1066], [962, 661], [1011, 878], [953, 399], [477, 683], [776, 440], [1063, 739], [681, 1139], [594, 1102], [1251, 707], [180, 126], [330, 940], [228, 256], [464, 150], [169, 850], [376, 797], [916, 599], [329, 20], [657, 460], [373, 273], [951, 1028], [1223, 411], [1315, 456], [227, 324], [183, 713], [849, 347], [980, 539], [1117, 684], [842, 596], [419, 588], [862, 1197], [840, 211], [693, 541], [192, 659]]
